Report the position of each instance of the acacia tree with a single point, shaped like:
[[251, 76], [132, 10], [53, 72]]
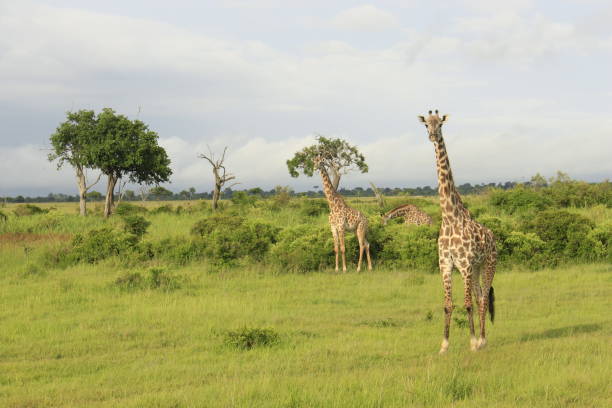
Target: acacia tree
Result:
[[72, 143], [128, 149], [337, 156], [220, 174]]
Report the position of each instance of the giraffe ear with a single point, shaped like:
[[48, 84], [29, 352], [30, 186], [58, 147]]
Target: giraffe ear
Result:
[[444, 118], [421, 118]]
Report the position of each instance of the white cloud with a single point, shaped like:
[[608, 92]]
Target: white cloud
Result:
[[365, 18]]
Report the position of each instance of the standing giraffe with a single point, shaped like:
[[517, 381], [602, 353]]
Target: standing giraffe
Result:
[[342, 218], [410, 213], [463, 243]]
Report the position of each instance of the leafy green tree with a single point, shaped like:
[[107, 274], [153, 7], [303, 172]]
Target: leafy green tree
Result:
[[73, 143], [338, 158], [126, 148], [160, 193]]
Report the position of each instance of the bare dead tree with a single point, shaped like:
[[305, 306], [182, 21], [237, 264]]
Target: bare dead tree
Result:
[[220, 173], [379, 197], [121, 191], [144, 191]]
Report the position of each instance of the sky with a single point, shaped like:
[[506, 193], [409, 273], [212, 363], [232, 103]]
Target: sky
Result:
[[526, 84]]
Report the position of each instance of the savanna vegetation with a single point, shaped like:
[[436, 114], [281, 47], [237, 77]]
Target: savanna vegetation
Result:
[[174, 304]]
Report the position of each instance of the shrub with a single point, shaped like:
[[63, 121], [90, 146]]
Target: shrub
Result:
[[28, 209], [242, 198], [3, 217], [155, 279], [98, 245], [567, 236], [130, 281], [304, 248], [160, 279], [125, 209], [246, 339], [176, 251], [415, 247], [519, 199], [230, 237], [135, 225], [527, 249], [313, 207], [163, 209]]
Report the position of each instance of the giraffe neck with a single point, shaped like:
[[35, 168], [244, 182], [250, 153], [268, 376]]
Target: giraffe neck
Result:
[[333, 198], [450, 201]]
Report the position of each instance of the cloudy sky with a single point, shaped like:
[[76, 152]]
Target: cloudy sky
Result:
[[527, 84]]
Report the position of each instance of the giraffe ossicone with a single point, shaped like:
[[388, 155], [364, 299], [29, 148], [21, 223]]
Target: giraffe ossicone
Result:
[[463, 243]]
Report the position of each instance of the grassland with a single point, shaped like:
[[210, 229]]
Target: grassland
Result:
[[73, 337]]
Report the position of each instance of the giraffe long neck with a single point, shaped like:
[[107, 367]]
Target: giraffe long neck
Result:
[[450, 201], [330, 193]]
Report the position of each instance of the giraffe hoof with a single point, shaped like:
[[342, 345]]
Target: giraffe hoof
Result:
[[482, 343], [474, 344], [444, 347]]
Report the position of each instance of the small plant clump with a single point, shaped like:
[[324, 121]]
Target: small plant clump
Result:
[[136, 225], [28, 209], [249, 338]]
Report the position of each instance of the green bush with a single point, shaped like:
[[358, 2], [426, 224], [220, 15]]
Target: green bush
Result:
[[98, 245], [155, 279], [519, 199], [175, 251], [163, 209], [567, 236], [242, 198], [414, 247], [526, 249], [246, 338], [28, 209], [572, 193], [135, 225], [227, 238], [125, 209], [304, 248], [313, 207], [3, 217]]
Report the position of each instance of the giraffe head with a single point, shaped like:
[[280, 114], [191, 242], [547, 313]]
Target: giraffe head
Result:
[[433, 122], [317, 162]]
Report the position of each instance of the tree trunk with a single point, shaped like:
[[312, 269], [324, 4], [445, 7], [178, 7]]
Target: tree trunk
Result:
[[110, 188], [335, 177], [216, 195], [81, 182]]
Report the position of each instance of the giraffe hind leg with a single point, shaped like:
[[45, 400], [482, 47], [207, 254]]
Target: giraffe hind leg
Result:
[[446, 268], [336, 245], [487, 297]]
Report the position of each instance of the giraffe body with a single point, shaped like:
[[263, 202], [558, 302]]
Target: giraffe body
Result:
[[463, 243], [410, 213], [343, 218]]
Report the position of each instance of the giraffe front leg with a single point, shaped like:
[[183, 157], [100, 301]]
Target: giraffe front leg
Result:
[[342, 249], [360, 238], [336, 245], [446, 267]]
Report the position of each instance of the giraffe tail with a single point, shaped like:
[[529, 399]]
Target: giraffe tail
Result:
[[492, 304]]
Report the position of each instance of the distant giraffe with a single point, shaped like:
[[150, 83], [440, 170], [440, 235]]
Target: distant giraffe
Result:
[[463, 243], [410, 213], [342, 218]]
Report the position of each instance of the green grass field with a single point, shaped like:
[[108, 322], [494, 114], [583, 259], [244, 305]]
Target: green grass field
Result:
[[71, 337]]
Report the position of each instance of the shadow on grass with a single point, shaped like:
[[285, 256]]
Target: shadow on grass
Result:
[[562, 332]]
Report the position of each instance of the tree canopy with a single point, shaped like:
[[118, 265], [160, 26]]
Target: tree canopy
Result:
[[337, 156]]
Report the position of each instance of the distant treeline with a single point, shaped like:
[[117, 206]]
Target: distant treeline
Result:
[[163, 194], [559, 185]]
